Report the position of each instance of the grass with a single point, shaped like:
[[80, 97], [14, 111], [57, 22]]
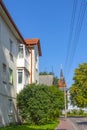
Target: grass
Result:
[[51, 126]]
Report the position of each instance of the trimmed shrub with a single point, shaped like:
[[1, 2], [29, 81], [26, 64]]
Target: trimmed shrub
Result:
[[40, 104]]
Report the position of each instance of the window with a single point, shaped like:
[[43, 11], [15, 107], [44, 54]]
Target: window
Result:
[[36, 66], [10, 109], [21, 51], [4, 67], [4, 73], [11, 46], [26, 77], [10, 106], [10, 76], [26, 51], [20, 76]]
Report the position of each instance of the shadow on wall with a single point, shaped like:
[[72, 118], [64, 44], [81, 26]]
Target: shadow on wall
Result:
[[7, 90]]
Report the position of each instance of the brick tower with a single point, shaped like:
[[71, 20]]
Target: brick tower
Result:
[[61, 81]]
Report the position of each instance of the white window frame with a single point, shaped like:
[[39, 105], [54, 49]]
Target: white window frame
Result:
[[10, 76], [21, 51], [10, 106], [20, 71]]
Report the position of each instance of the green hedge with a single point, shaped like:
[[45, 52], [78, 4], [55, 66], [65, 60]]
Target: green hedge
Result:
[[40, 104]]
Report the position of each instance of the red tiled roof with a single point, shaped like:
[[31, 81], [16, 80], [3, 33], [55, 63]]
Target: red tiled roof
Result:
[[61, 83], [34, 41]]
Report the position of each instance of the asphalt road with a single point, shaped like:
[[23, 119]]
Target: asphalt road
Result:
[[79, 123]]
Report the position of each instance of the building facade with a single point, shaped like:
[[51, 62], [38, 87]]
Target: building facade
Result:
[[19, 65], [22, 67], [35, 52], [10, 38], [46, 79]]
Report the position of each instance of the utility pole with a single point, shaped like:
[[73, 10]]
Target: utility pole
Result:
[[62, 87], [65, 102]]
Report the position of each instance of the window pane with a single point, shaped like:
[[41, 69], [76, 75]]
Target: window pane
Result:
[[10, 105], [20, 51], [26, 77], [20, 73], [4, 68], [11, 46], [10, 76]]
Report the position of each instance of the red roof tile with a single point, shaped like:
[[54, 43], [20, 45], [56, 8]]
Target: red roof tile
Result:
[[34, 41]]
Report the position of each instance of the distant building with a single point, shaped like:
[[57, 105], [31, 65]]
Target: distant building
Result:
[[46, 79], [61, 81], [70, 106]]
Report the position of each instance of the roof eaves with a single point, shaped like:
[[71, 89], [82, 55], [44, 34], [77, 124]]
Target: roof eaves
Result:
[[11, 20], [34, 41]]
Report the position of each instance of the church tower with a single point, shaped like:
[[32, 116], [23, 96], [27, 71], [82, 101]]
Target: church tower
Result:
[[61, 82]]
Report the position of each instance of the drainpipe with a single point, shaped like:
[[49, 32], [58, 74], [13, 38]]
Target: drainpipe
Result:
[[31, 68]]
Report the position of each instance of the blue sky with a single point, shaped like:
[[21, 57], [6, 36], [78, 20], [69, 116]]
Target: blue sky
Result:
[[50, 21]]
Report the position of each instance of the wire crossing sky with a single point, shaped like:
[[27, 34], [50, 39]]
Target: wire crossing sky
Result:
[[70, 33], [73, 44]]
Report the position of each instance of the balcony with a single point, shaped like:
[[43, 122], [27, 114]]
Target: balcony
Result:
[[22, 63]]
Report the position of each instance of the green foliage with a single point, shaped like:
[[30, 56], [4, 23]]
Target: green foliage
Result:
[[40, 104], [76, 112], [55, 82], [51, 126], [43, 73], [78, 90], [46, 73]]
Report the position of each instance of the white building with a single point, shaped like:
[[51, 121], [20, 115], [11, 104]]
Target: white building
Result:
[[22, 67], [70, 106], [10, 38], [19, 63], [28, 63], [35, 52]]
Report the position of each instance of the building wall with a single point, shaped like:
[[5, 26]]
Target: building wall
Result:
[[71, 107], [46, 79], [7, 88], [35, 65], [23, 66]]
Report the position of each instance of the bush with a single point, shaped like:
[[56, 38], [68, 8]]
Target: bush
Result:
[[40, 104]]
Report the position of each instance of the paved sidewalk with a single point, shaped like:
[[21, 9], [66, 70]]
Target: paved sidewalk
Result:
[[65, 124]]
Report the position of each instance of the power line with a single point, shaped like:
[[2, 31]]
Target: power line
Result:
[[78, 31], [71, 32], [77, 34]]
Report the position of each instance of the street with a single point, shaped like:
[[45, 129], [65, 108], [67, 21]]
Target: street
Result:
[[79, 123]]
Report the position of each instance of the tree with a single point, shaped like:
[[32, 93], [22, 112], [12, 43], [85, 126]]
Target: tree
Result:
[[46, 73], [43, 73], [40, 104], [55, 82], [78, 90]]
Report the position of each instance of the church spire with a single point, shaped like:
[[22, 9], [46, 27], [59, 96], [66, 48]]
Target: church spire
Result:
[[61, 72], [61, 82]]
